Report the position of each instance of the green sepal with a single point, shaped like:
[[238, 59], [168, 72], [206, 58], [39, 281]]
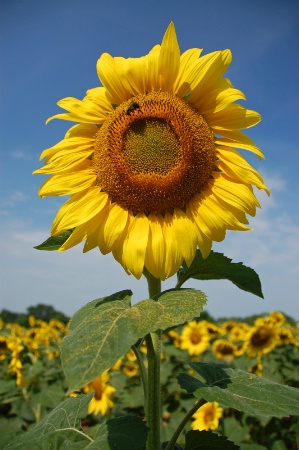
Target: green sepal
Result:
[[105, 329], [234, 388], [218, 267], [54, 242]]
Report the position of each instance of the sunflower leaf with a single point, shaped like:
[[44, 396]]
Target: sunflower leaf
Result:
[[121, 433], [206, 440], [218, 267], [234, 388], [59, 429], [105, 329], [54, 242]]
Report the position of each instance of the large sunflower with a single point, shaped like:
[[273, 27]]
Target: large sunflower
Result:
[[152, 168]]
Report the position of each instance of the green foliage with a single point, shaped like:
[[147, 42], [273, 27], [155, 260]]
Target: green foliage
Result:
[[24, 407], [218, 267], [39, 311], [100, 321], [206, 440], [54, 242], [46, 313], [62, 429], [234, 388]]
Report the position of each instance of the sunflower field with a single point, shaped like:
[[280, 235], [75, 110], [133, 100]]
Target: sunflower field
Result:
[[33, 383]]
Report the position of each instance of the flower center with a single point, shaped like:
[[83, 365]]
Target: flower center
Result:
[[154, 153]]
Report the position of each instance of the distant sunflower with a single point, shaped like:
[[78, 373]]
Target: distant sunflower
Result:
[[152, 167], [194, 338], [207, 417], [239, 331], [285, 336], [101, 402], [224, 349], [261, 339], [130, 369], [3, 347], [277, 317]]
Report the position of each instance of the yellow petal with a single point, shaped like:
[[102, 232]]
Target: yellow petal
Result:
[[98, 97], [113, 228], [185, 235], [155, 252], [234, 117], [83, 130], [118, 250], [153, 68], [110, 74], [93, 229], [219, 99], [135, 70], [207, 221], [65, 163], [80, 208], [237, 194], [169, 59], [182, 83], [239, 140], [206, 72], [67, 147], [77, 236], [235, 166], [69, 183], [135, 245], [173, 256], [79, 111]]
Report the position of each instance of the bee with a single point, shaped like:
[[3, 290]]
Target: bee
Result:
[[131, 107]]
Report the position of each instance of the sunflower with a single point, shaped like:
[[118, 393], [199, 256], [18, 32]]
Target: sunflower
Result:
[[207, 417], [261, 339], [223, 349], [151, 167], [194, 338], [130, 369], [239, 331], [101, 402], [3, 347]]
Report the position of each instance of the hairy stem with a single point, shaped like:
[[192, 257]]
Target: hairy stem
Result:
[[153, 404]]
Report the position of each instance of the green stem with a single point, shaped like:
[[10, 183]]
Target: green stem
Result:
[[153, 404], [143, 373], [181, 426]]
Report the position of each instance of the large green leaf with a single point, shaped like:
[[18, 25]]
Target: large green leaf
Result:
[[54, 242], [105, 329], [234, 388], [60, 429], [206, 440], [218, 267], [122, 433]]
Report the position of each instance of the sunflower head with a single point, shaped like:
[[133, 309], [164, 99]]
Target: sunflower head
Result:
[[207, 417], [261, 339], [152, 167], [195, 338]]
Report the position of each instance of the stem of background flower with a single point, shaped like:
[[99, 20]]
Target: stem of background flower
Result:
[[153, 404], [180, 428], [143, 373]]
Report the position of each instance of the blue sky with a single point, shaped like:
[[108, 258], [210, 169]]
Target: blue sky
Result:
[[49, 51]]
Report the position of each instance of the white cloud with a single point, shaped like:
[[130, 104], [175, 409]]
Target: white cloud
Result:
[[20, 154], [9, 201]]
